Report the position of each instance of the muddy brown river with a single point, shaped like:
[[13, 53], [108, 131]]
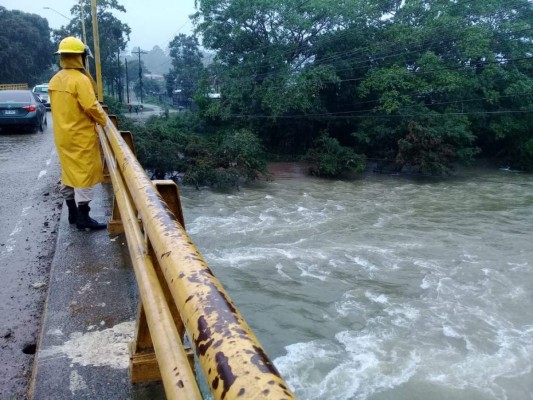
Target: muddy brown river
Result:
[[382, 287]]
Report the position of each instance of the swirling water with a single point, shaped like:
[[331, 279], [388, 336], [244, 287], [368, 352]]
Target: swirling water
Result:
[[382, 287]]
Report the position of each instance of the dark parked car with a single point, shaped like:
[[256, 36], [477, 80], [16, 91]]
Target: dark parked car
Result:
[[21, 109]]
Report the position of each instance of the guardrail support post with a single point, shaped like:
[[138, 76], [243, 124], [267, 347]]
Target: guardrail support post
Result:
[[170, 193], [143, 366], [114, 120], [128, 138]]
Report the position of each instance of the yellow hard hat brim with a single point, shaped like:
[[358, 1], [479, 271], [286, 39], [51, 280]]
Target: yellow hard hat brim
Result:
[[69, 52]]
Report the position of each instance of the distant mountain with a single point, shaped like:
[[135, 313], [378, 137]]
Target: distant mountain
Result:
[[155, 60]]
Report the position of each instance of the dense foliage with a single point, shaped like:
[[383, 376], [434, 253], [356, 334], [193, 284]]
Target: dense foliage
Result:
[[329, 158], [180, 146], [25, 47], [419, 84]]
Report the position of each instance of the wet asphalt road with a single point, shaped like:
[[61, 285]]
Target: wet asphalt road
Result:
[[30, 208]]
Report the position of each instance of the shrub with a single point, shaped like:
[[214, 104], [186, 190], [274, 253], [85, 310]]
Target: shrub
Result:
[[434, 148], [329, 158], [179, 146]]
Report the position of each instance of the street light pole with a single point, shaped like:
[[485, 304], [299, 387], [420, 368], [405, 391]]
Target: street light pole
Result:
[[57, 12], [82, 18]]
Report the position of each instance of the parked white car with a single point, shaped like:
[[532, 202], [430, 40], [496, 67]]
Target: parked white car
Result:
[[42, 91]]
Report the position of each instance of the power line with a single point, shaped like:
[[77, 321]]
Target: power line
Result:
[[415, 73], [331, 116], [381, 55], [392, 43]]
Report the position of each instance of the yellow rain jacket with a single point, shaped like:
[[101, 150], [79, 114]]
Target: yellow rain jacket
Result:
[[75, 111]]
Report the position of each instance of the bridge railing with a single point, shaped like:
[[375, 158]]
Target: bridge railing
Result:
[[182, 300], [13, 86]]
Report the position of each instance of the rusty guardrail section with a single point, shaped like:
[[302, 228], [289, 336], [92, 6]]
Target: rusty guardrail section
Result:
[[180, 295], [14, 86]]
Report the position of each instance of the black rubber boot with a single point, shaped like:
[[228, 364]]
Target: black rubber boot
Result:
[[72, 211], [84, 222]]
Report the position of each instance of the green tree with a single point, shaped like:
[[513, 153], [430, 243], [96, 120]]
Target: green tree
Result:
[[187, 65], [25, 47], [369, 72], [485, 71], [428, 63], [114, 36], [328, 158], [264, 50]]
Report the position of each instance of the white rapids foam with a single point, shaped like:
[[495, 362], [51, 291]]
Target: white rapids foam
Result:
[[381, 288]]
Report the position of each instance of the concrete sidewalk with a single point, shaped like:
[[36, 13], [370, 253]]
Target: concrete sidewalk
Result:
[[89, 318]]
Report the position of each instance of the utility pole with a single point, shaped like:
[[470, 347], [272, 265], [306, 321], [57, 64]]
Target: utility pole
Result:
[[127, 82], [119, 82], [139, 52], [99, 88]]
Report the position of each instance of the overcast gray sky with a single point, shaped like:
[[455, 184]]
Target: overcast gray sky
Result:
[[152, 22]]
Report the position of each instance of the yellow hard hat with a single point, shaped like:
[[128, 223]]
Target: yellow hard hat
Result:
[[71, 45]]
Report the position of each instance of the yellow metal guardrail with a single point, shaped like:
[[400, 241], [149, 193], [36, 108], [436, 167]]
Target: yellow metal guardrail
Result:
[[180, 295], [14, 86]]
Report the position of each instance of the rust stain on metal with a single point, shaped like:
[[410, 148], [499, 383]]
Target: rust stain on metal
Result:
[[285, 389], [226, 348], [225, 373], [261, 361], [204, 339]]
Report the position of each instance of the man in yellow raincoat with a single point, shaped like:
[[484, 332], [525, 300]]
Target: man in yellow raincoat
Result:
[[75, 111]]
